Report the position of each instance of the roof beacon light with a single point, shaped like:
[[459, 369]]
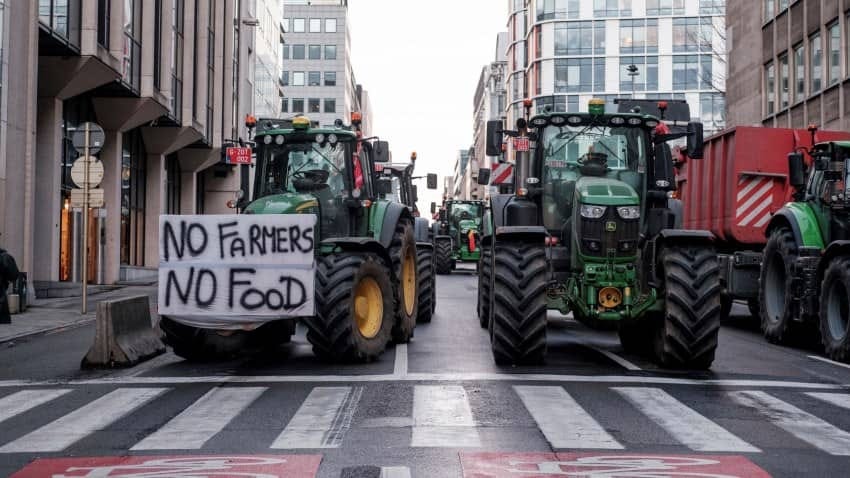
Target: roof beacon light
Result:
[[301, 122], [596, 106], [413, 156], [356, 117], [250, 121]]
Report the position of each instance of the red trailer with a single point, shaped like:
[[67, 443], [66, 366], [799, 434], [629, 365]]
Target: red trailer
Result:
[[733, 192]]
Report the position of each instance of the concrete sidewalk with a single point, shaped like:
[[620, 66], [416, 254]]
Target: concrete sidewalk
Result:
[[49, 315]]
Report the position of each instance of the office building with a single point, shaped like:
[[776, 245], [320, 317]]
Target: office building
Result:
[[489, 104]]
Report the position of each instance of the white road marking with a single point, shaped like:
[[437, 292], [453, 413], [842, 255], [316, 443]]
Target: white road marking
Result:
[[442, 417], [683, 423], [400, 367], [202, 420], [619, 360], [154, 363], [26, 400], [837, 399], [802, 425], [562, 420], [395, 472], [322, 419], [429, 377], [831, 362], [97, 415]]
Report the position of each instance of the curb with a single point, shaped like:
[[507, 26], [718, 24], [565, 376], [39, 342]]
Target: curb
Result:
[[47, 330]]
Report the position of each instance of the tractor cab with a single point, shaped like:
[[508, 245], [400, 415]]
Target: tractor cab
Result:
[[826, 189]]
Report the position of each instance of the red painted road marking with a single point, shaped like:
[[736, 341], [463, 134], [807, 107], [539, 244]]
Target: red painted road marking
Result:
[[600, 465], [259, 466]]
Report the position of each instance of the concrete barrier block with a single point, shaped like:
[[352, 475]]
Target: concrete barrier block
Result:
[[124, 334]]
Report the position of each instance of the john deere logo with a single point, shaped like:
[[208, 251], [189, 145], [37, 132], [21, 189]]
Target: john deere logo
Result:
[[611, 226]]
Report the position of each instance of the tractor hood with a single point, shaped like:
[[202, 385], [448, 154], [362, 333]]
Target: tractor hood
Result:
[[606, 192], [287, 203]]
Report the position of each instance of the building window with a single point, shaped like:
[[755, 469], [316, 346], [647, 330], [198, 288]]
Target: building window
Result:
[[297, 105], [62, 19], [315, 25], [131, 65], [157, 44], [712, 7], [665, 7], [799, 73], [639, 36], [574, 38], [770, 88], [330, 105], [816, 63], [646, 76], [104, 10], [298, 52], [284, 105], [599, 74], [599, 37], [177, 59], [286, 53], [712, 111], [210, 69], [784, 82], [686, 72], [133, 188], [769, 10], [315, 52], [612, 8], [834, 54], [284, 78], [314, 78], [284, 25], [330, 52], [298, 25], [574, 75], [783, 4], [330, 78], [692, 34], [314, 105], [297, 78], [330, 25], [552, 9], [173, 184]]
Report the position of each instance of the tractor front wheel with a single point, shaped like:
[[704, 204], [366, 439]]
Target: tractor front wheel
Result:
[[354, 308], [835, 310], [687, 334], [443, 256], [406, 284], [425, 264], [776, 286], [519, 304], [485, 269]]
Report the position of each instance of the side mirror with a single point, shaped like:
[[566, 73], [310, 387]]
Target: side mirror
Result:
[[663, 176], [382, 152], [384, 186], [433, 208], [695, 140], [494, 138], [432, 181], [415, 194], [796, 171], [484, 177]]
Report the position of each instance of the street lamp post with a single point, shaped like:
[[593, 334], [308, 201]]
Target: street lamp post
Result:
[[633, 72]]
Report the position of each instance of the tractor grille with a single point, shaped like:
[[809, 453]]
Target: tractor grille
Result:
[[601, 237]]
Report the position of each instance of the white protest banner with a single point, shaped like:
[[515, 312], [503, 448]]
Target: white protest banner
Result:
[[215, 270]]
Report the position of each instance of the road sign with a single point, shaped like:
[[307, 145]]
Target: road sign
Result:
[[78, 197], [236, 155], [96, 138], [521, 143], [78, 172]]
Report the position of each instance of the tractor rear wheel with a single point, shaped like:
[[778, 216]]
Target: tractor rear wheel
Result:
[[687, 334], [354, 308], [405, 271], [443, 256], [776, 286], [835, 310], [484, 272], [519, 304], [425, 264]]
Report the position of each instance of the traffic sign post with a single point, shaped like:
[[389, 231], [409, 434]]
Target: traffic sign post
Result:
[[87, 173]]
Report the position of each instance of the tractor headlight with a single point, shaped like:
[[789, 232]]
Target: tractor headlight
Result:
[[629, 212], [590, 211], [268, 139]]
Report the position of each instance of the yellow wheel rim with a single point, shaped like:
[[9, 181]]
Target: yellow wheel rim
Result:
[[408, 283], [368, 307]]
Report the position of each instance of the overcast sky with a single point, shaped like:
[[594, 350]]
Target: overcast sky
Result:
[[420, 62]]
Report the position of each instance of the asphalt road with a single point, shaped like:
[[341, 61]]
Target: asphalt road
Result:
[[437, 407]]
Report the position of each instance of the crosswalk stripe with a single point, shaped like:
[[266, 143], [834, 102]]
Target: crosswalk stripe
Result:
[[683, 423], [202, 420], [564, 423], [442, 417], [802, 425], [837, 399], [322, 419], [97, 415], [26, 400]]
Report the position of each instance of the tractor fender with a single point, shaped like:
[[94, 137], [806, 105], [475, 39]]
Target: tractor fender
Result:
[[421, 229], [498, 205], [800, 219], [359, 244], [425, 245], [529, 234], [679, 236], [392, 214], [835, 249], [442, 238], [678, 210]]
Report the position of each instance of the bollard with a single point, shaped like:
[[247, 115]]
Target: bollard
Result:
[[14, 303], [124, 335]]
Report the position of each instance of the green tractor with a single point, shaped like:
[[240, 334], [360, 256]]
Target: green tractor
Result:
[[591, 230], [405, 192], [457, 234], [366, 284], [805, 275]]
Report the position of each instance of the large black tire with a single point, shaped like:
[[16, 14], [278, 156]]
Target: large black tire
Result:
[[201, 345], [405, 281], [726, 303], [835, 310], [686, 337], [754, 307], [484, 271], [519, 304], [776, 287], [443, 256], [334, 331], [425, 265]]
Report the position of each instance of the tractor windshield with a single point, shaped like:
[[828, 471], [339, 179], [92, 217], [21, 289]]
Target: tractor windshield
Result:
[[572, 152], [465, 216], [302, 168]]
